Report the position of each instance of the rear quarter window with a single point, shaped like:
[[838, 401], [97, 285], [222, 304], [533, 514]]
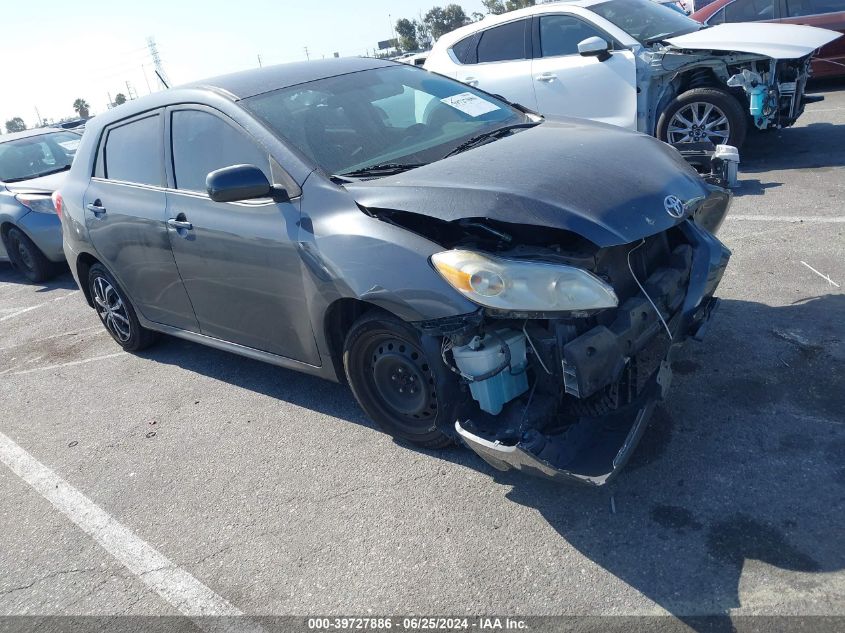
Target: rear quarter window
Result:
[[133, 152], [503, 43]]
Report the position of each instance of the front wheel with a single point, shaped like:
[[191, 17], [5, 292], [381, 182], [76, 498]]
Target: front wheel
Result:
[[395, 381], [703, 114], [116, 311]]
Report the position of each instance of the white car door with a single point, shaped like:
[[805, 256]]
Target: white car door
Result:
[[498, 60], [569, 84]]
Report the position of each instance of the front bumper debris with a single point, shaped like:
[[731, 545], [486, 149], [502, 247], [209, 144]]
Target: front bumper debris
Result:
[[631, 351]]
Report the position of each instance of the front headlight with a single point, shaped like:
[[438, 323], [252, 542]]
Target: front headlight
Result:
[[38, 202], [510, 284]]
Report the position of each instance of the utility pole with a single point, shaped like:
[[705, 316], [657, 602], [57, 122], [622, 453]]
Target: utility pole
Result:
[[131, 92], [162, 76], [111, 101], [307, 54], [259, 60], [38, 114]]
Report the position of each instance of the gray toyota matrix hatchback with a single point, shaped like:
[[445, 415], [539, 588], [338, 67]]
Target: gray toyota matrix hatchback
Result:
[[475, 272]]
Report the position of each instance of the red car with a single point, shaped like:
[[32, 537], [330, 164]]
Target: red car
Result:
[[828, 14]]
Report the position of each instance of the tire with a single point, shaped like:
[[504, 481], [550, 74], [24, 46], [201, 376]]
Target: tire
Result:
[[116, 311], [708, 103], [396, 382], [27, 258]]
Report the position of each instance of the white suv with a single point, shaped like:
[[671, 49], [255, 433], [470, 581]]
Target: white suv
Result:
[[637, 64]]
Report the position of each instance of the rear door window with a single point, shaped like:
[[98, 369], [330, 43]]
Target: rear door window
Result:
[[203, 142], [561, 34], [503, 43], [750, 10], [133, 152], [798, 8]]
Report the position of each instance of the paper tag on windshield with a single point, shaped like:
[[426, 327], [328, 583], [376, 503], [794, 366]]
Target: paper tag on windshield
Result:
[[470, 104]]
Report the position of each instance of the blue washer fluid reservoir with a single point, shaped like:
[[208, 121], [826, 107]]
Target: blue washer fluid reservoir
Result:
[[481, 356]]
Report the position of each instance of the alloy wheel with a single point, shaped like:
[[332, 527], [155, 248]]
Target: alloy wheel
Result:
[[699, 121], [111, 309]]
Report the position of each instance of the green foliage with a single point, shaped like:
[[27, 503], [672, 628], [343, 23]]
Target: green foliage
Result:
[[15, 124], [119, 99], [496, 7], [407, 31], [513, 5], [81, 106], [442, 20]]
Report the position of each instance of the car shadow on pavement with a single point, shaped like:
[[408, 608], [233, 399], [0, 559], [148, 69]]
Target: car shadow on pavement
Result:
[[817, 146], [62, 281], [739, 481]]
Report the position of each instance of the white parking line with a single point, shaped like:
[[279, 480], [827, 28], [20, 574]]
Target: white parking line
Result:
[[829, 281], [820, 219], [70, 364], [35, 307], [171, 582], [61, 335]]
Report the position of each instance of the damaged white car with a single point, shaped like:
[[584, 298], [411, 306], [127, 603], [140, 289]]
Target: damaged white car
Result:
[[639, 65]]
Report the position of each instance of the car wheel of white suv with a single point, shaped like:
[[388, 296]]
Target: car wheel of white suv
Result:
[[703, 114]]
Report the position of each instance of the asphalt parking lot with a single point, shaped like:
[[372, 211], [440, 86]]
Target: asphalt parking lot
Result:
[[274, 492]]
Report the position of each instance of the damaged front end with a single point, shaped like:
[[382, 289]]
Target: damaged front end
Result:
[[567, 395]]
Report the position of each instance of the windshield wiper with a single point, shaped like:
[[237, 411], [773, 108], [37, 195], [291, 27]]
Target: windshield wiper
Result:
[[34, 176], [53, 171], [478, 139], [380, 169]]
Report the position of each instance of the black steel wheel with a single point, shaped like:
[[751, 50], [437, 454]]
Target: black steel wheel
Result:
[[395, 381], [26, 257], [116, 311]]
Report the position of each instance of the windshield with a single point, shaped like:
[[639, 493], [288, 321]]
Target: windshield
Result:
[[34, 156], [396, 115], [645, 20]]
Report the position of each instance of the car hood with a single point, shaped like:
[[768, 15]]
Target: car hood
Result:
[[44, 184], [778, 41], [605, 183]]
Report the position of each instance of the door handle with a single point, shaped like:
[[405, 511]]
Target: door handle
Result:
[[96, 208], [180, 224], [471, 81], [546, 77]]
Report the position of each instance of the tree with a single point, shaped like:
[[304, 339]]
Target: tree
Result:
[[496, 7], [15, 124], [407, 32], [442, 20], [81, 106], [513, 5], [119, 99]]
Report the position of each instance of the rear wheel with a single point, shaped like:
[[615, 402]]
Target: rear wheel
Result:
[[394, 380], [27, 258], [116, 311], [703, 114]]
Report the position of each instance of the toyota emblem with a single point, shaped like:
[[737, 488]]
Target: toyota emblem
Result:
[[675, 206]]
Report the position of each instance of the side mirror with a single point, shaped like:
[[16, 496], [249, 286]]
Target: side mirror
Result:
[[594, 47], [236, 183]]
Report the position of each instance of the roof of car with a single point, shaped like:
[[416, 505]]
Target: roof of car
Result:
[[27, 133], [491, 20], [249, 83]]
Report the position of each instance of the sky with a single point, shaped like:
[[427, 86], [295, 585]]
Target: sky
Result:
[[54, 51]]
